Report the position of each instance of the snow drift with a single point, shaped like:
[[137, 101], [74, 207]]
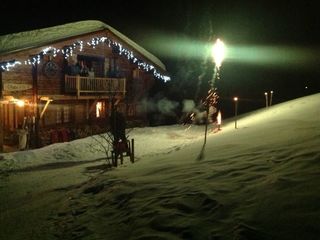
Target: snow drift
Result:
[[259, 181]]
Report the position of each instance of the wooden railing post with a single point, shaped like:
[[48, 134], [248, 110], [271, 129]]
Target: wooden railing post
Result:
[[1, 115], [124, 86], [1, 127], [132, 150], [36, 134], [78, 85]]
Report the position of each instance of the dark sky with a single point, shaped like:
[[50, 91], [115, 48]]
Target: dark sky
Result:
[[285, 23], [274, 21]]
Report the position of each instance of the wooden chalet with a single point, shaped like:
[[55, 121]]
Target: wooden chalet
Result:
[[59, 82]]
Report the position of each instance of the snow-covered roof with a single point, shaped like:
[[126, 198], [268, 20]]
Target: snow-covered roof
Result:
[[41, 37]]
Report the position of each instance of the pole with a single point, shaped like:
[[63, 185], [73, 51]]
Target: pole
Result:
[[36, 110], [235, 112], [266, 95], [271, 93], [1, 115], [132, 150], [218, 55], [206, 127], [207, 102], [1, 127]]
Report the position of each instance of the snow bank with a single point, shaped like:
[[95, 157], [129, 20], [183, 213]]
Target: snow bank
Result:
[[259, 181], [148, 141]]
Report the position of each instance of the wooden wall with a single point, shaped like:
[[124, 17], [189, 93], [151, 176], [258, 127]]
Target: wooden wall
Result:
[[20, 74], [53, 85], [137, 81]]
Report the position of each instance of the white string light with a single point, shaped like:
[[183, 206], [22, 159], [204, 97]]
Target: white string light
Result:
[[68, 51]]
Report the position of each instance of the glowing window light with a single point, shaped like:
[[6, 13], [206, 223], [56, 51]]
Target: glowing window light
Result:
[[98, 109]]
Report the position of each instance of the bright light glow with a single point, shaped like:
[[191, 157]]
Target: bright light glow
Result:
[[218, 52], [98, 109], [235, 99], [280, 56], [20, 103], [266, 93], [219, 118]]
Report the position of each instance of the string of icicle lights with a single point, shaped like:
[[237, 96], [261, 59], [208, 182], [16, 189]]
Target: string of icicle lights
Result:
[[67, 51]]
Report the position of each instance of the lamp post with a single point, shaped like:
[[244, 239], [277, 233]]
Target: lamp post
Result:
[[218, 53], [271, 93], [266, 95], [235, 99]]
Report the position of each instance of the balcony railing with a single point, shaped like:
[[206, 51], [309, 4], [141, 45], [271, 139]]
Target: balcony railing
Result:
[[92, 85]]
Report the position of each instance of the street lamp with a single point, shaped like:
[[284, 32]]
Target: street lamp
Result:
[[218, 54], [235, 99], [271, 93], [266, 95]]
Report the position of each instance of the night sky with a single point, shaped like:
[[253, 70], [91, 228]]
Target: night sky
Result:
[[280, 24]]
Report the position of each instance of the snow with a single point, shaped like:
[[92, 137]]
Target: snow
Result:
[[167, 139], [260, 181], [45, 36]]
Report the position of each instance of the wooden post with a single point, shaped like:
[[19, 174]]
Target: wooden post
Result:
[[78, 85], [124, 86], [36, 106], [132, 151], [45, 107], [87, 109], [1, 86], [1, 115], [1, 127]]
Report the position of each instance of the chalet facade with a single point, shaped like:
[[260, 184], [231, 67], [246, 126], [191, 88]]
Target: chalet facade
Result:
[[59, 83]]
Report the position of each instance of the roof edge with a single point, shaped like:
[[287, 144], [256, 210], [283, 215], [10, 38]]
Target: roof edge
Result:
[[12, 43]]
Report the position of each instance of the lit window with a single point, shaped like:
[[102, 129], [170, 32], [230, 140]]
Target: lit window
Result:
[[98, 109]]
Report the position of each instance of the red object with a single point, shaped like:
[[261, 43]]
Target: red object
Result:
[[64, 135], [54, 136]]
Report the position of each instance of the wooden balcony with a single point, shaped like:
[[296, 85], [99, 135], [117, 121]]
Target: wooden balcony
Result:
[[84, 86]]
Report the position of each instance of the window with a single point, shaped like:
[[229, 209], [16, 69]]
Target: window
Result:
[[94, 64], [63, 114], [100, 109], [113, 68], [59, 115], [66, 114]]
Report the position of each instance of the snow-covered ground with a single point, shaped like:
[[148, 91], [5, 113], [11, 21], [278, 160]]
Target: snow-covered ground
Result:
[[260, 181], [149, 141]]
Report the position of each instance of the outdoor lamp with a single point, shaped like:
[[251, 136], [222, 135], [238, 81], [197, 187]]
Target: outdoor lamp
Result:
[[218, 52]]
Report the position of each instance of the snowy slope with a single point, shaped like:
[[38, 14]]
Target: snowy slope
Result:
[[260, 181]]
